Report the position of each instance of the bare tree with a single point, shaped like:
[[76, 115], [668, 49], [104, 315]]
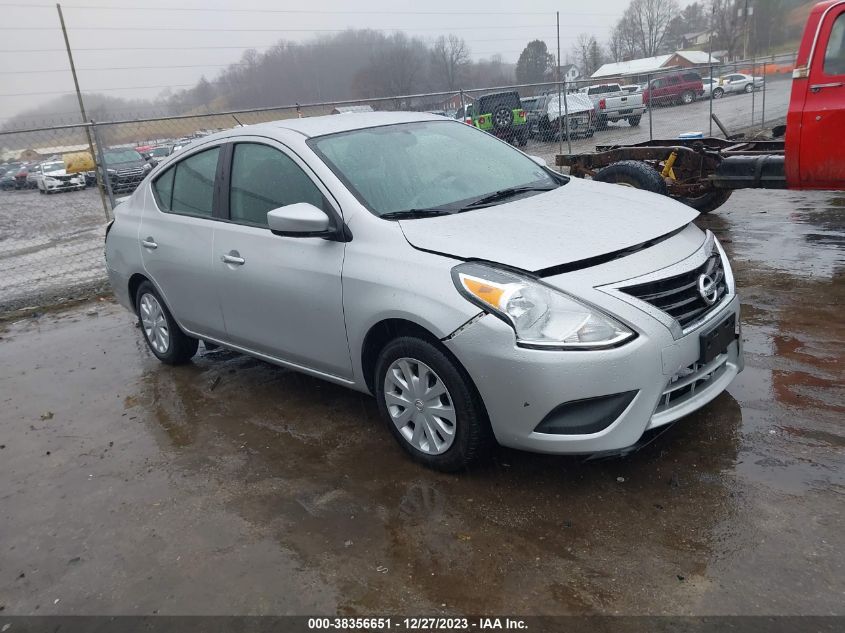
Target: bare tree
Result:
[[587, 53], [646, 22], [449, 60]]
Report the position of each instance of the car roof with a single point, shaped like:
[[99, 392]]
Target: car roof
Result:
[[333, 123]]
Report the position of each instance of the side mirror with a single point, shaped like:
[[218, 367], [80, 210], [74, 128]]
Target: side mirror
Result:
[[539, 160], [299, 220]]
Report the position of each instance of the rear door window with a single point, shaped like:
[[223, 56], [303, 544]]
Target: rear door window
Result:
[[188, 187]]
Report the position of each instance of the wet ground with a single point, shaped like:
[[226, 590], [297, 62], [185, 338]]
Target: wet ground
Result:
[[232, 486], [51, 247]]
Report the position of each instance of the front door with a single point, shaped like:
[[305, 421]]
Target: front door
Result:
[[280, 296], [822, 151]]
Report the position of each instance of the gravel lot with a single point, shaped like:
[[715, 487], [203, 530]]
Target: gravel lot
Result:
[[51, 246], [232, 486]]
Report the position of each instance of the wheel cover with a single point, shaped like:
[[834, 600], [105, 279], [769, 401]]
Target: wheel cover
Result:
[[154, 323], [420, 406], [502, 118]]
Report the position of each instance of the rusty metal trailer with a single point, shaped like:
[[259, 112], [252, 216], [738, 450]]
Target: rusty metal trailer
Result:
[[700, 172]]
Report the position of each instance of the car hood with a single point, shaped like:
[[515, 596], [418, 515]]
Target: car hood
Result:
[[577, 221]]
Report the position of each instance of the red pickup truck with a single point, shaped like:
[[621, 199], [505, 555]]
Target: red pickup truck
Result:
[[702, 173]]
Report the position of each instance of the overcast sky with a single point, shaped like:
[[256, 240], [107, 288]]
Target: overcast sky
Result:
[[175, 47]]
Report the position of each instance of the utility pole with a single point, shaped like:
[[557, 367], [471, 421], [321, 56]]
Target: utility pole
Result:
[[747, 12], [82, 110]]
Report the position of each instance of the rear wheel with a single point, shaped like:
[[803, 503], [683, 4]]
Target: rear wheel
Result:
[[708, 202], [633, 173], [164, 338], [430, 405], [634, 121]]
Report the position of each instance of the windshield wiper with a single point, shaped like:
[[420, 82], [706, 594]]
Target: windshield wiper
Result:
[[503, 194], [411, 214]]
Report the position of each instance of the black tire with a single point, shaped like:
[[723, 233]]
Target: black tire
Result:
[[749, 88], [633, 173], [502, 116], [710, 201], [41, 191], [589, 134], [688, 97], [523, 139], [718, 93], [634, 121], [181, 348], [473, 439], [602, 123]]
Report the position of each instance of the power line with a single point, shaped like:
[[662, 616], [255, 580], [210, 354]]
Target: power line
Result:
[[266, 30], [70, 91], [292, 11]]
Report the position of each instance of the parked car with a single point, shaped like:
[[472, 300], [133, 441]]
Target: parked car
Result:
[[613, 104], [544, 120], [739, 83], [711, 86], [125, 168], [52, 177], [33, 173], [7, 179], [477, 294], [21, 176], [674, 88], [157, 154], [502, 115]]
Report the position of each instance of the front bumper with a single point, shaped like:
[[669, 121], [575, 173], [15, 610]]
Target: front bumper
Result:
[[64, 185], [521, 387]]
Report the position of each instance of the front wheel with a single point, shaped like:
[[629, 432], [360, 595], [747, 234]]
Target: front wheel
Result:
[[749, 88], [430, 405], [718, 93], [687, 98], [164, 338]]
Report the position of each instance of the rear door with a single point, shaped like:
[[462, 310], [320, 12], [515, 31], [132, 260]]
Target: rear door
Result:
[[822, 150], [176, 238]]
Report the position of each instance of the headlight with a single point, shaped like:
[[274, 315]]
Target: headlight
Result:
[[541, 316], [147, 167], [49, 180], [111, 172]]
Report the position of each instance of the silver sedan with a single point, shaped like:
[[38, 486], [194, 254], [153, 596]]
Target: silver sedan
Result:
[[478, 295]]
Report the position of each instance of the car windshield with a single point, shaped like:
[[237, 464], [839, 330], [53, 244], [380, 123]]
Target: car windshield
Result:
[[122, 156], [426, 165], [159, 151], [56, 166]]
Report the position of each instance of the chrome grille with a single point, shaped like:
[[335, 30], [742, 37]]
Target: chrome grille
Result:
[[679, 296]]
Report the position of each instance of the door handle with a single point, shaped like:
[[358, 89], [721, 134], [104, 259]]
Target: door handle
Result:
[[149, 243], [233, 257], [817, 87]]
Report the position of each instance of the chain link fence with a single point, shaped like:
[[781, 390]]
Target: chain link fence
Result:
[[52, 223]]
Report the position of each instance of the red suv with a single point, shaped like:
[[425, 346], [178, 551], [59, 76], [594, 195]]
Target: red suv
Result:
[[681, 87]]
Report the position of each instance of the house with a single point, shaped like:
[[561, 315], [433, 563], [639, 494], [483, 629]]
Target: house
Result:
[[454, 102], [638, 69], [569, 72]]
